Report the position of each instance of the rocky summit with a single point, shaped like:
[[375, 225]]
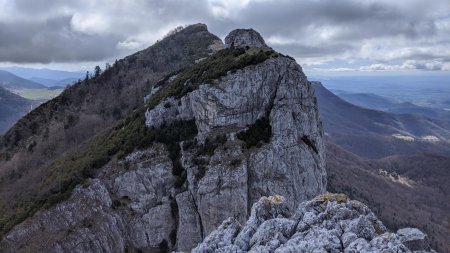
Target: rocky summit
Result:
[[241, 38], [211, 140], [327, 223]]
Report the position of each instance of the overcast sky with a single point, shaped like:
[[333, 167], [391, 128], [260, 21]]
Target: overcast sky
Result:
[[323, 35]]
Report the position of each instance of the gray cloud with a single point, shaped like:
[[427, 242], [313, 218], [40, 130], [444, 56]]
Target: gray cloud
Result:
[[314, 50], [346, 30], [356, 19], [407, 65], [52, 40]]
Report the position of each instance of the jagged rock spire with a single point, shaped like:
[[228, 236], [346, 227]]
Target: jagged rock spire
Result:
[[241, 38]]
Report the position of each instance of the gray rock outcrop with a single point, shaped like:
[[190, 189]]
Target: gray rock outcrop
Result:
[[241, 38], [291, 164], [328, 223], [142, 206], [126, 208]]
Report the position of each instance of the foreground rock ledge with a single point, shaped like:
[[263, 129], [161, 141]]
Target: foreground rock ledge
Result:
[[328, 223]]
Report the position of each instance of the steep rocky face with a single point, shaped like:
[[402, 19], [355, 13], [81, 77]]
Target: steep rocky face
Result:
[[127, 207], [328, 223], [241, 38], [235, 177], [259, 134]]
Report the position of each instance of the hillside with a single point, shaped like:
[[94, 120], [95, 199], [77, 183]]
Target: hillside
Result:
[[401, 190], [84, 110], [12, 108], [406, 184], [376, 134], [12, 81], [27, 88]]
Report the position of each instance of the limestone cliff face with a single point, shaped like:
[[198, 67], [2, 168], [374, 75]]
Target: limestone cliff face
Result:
[[286, 165], [291, 164], [328, 223], [138, 204]]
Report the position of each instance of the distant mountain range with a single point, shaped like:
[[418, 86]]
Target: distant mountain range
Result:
[[373, 101], [51, 83], [12, 81], [47, 77], [376, 134], [383, 159], [430, 89], [18, 95]]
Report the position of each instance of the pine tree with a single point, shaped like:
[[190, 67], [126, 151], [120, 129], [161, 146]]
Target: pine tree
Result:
[[97, 71]]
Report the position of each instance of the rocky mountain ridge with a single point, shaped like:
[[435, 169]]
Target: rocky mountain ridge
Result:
[[257, 133], [211, 140], [327, 223], [38, 145]]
